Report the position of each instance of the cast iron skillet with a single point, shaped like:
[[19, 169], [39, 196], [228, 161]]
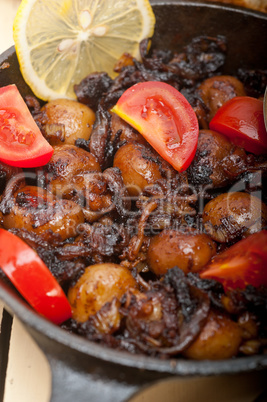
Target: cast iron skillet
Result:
[[82, 370]]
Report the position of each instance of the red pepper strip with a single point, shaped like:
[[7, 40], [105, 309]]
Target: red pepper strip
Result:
[[32, 278]]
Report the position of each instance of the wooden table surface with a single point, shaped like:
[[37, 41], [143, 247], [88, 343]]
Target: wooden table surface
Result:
[[28, 376], [8, 10]]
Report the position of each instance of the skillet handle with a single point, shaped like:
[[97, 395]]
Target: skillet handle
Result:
[[262, 397], [71, 384], [79, 376]]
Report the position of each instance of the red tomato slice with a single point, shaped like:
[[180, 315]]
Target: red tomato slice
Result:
[[165, 119], [245, 263], [241, 119], [32, 278], [21, 142]]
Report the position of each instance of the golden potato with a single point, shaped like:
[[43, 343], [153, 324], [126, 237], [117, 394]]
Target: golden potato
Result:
[[66, 120], [7, 173], [219, 339], [140, 166], [39, 211], [217, 161], [67, 171], [188, 251], [234, 214], [217, 90], [99, 284]]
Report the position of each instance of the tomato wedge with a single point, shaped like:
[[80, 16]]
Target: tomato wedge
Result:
[[165, 119], [244, 263], [32, 278], [241, 120], [21, 142]]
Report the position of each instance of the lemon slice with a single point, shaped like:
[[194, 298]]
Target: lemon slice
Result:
[[59, 42]]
